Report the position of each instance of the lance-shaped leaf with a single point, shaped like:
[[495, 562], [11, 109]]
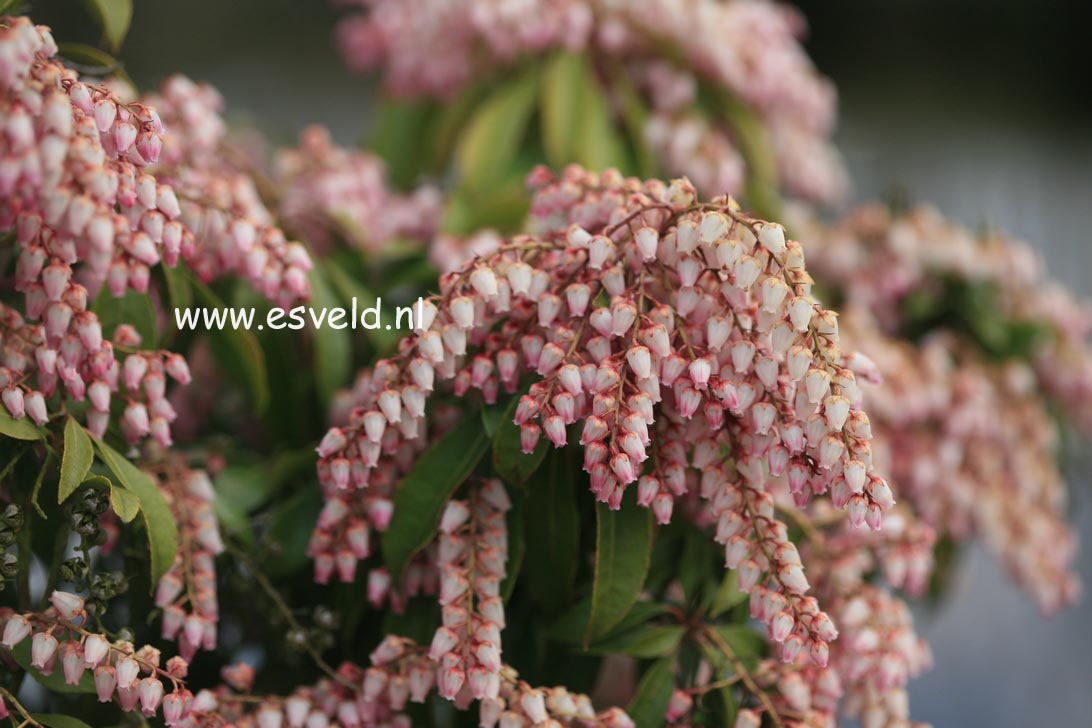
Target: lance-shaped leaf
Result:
[[114, 17], [158, 520], [649, 705], [493, 136], [509, 460], [553, 532], [623, 551], [421, 495], [76, 460]]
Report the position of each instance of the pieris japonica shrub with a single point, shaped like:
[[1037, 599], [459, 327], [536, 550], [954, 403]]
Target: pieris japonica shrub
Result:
[[629, 467]]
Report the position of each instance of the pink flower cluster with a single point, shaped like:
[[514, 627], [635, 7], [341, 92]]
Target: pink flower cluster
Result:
[[84, 212], [746, 49], [330, 192], [57, 637], [678, 341], [191, 580], [967, 439]]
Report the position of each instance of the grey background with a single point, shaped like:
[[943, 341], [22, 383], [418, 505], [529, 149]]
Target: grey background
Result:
[[981, 107]]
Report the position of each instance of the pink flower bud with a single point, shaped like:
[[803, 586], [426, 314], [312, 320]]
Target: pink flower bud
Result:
[[151, 693], [42, 651], [95, 650], [69, 606], [127, 672], [14, 401]]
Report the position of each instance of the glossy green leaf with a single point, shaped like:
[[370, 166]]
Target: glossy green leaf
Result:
[[76, 460], [132, 308], [158, 520], [90, 56], [493, 136], [21, 429], [422, 494], [644, 641], [54, 682], [553, 532], [386, 336], [598, 143], [623, 549], [333, 347], [179, 289], [238, 352], [114, 16], [649, 705], [51, 720]]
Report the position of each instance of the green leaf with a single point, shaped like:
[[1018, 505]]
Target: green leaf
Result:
[[59, 721], [553, 533], [493, 136], [76, 460], [125, 503], [649, 705], [288, 540], [333, 347], [728, 594], [399, 127], [158, 519], [743, 640], [422, 494], [517, 544], [634, 115], [570, 627], [54, 682], [509, 460], [238, 351], [762, 188], [560, 106], [598, 144], [114, 16], [19, 429], [623, 550], [132, 308], [179, 289], [643, 642], [86, 55]]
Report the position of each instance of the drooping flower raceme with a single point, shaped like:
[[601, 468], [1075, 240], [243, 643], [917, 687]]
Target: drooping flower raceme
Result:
[[677, 341], [961, 422]]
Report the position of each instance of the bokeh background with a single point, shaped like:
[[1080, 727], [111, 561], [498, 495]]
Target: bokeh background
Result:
[[981, 107]]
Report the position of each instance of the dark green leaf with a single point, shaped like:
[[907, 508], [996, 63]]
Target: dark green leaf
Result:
[[54, 682], [333, 347], [493, 136], [114, 17], [132, 308], [238, 351], [421, 496], [649, 705], [517, 544], [598, 143], [643, 642], [385, 337], [509, 460], [59, 721], [553, 533], [86, 55], [570, 627], [76, 460], [21, 429], [288, 542], [623, 548], [158, 519]]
